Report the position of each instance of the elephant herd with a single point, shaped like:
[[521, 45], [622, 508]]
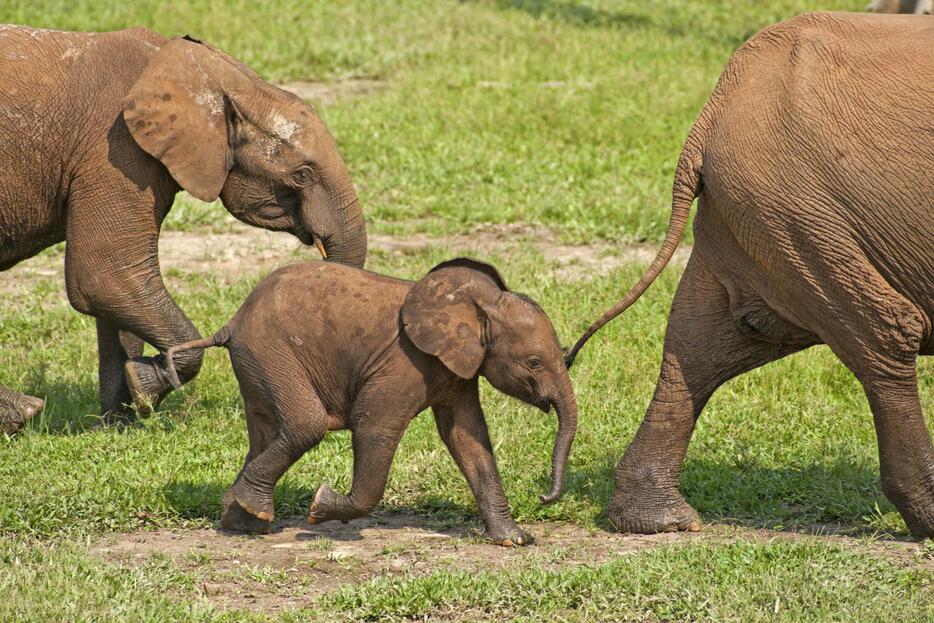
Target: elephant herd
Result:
[[812, 163]]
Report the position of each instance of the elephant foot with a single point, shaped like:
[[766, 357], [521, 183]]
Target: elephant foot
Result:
[[148, 383], [329, 505], [645, 510], [244, 517], [16, 409], [915, 502], [508, 534]]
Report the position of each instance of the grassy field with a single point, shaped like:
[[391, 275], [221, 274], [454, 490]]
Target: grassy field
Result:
[[563, 115]]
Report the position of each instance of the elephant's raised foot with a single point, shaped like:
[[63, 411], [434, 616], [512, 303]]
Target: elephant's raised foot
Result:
[[17, 409], [236, 518], [650, 512], [328, 505], [148, 383]]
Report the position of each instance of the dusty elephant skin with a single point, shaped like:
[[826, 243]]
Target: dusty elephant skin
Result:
[[99, 131], [318, 347], [812, 162]]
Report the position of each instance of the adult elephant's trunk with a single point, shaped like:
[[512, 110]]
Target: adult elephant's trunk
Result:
[[566, 407], [348, 243]]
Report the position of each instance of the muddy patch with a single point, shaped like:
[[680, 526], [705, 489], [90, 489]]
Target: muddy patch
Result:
[[289, 568], [328, 93], [248, 251]]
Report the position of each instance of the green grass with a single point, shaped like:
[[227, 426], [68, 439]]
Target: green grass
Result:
[[472, 129], [735, 582]]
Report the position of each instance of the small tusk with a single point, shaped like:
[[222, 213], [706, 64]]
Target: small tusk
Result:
[[320, 247]]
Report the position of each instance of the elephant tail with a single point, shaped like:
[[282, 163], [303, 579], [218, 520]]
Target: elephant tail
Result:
[[218, 339], [687, 186]]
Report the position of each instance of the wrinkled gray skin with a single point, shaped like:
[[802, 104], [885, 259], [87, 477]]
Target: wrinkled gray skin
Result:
[[99, 131], [813, 165], [917, 7], [319, 347]]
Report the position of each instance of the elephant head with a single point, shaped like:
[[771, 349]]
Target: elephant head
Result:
[[463, 314], [221, 131]]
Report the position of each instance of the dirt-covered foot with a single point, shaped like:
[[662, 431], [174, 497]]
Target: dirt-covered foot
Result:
[[644, 511], [240, 517], [16, 409], [148, 382], [508, 534]]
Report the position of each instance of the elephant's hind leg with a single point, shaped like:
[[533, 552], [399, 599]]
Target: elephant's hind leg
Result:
[[706, 344], [877, 333], [285, 419]]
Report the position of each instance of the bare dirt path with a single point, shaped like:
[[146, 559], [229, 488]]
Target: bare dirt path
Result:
[[289, 568], [247, 251]]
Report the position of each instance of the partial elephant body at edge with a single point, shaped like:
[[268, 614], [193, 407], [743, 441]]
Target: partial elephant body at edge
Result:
[[815, 224], [99, 131]]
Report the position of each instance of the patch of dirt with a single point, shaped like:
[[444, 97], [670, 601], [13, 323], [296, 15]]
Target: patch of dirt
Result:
[[247, 250], [327, 93], [289, 568]]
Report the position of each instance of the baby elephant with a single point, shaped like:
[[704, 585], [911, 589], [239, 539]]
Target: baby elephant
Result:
[[319, 347]]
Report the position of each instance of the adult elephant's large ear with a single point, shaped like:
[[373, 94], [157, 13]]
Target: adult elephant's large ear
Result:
[[446, 313], [180, 112]]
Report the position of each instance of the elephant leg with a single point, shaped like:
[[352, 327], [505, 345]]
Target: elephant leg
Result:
[[906, 456], [298, 422], [375, 440], [112, 273], [877, 333], [17, 409], [114, 349], [705, 346], [463, 429]]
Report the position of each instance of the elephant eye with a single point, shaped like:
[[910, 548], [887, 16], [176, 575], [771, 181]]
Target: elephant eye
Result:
[[534, 363], [303, 176]]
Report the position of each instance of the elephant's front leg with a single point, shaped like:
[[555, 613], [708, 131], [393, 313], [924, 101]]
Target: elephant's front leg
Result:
[[114, 349], [463, 429], [117, 280]]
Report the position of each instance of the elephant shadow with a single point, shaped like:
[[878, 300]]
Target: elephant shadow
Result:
[[202, 501], [576, 14], [838, 497], [70, 408]]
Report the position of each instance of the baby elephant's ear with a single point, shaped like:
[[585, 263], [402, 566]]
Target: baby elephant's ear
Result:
[[442, 318]]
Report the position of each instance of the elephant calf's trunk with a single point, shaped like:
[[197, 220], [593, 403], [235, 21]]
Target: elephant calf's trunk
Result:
[[566, 409]]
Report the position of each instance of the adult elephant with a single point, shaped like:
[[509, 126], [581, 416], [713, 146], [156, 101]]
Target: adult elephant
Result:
[[99, 131], [813, 164]]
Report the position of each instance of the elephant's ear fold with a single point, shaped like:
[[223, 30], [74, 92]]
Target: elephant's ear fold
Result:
[[179, 111], [444, 315]]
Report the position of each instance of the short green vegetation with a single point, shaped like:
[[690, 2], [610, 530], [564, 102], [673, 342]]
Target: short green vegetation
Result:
[[566, 115]]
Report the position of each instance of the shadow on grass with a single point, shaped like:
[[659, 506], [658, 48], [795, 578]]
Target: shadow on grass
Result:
[[582, 15], [842, 496], [575, 13], [202, 501]]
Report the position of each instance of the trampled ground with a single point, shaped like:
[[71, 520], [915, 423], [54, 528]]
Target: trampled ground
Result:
[[537, 134]]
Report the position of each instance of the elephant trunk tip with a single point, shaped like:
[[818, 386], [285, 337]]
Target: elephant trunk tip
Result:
[[552, 495]]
